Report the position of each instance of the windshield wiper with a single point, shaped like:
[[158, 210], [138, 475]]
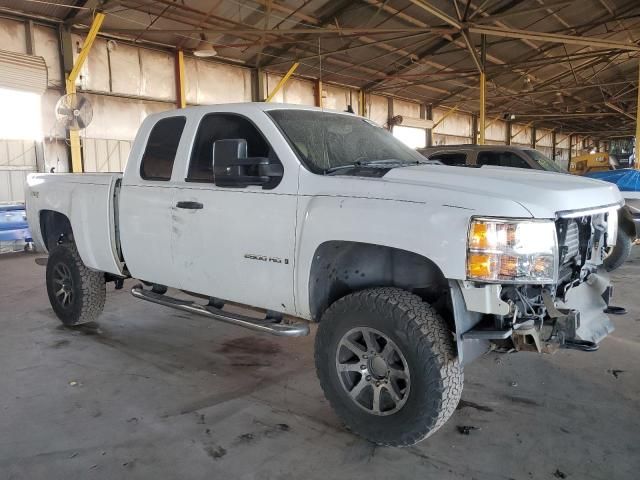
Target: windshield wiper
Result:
[[368, 163]]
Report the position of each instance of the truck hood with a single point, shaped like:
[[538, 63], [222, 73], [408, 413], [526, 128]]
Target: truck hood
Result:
[[542, 193]]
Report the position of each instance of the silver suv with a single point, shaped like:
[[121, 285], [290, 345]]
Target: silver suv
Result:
[[494, 155]]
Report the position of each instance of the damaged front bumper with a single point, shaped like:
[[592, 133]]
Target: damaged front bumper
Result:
[[589, 300], [576, 320]]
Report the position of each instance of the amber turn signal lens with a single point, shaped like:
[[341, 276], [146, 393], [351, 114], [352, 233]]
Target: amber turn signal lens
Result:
[[479, 235], [479, 265]]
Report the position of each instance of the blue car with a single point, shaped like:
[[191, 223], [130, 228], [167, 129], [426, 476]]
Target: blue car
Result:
[[13, 224]]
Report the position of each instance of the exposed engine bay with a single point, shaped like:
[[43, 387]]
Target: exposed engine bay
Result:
[[544, 318]]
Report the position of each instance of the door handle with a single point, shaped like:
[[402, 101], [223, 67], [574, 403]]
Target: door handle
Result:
[[190, 205]]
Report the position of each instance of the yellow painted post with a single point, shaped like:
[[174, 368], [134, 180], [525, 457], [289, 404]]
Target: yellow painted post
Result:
[[483, 86], [74, 137], [76, 151], [181, 98], [282, 81], [637, 163]]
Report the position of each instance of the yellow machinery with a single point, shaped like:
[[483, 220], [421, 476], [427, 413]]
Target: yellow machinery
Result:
[[620, 154], [590, 162]]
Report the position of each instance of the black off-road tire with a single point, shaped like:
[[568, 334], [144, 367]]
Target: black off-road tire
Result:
[[620, 252], [426, 343], [87, 287]]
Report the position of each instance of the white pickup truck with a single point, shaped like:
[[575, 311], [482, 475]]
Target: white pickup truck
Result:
[[412, 270]]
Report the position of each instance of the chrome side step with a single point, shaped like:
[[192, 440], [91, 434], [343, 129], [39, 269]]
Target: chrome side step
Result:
[[260, 325]]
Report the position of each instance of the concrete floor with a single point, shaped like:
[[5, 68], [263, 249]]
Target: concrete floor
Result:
[[153, 393]]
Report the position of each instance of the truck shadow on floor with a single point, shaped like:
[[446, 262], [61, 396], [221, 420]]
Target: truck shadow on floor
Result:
[[185, 355]]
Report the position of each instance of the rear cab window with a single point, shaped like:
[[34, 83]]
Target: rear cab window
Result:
[[160, 151], [501, 159], [450, 158]]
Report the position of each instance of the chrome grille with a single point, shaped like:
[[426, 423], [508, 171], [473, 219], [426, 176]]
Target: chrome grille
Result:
[[572, 241], [569, 240]]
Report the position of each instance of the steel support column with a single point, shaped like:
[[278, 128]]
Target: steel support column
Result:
[[429, 114], [257, 85], [637, 162], [570, 146], [534, 140], [318, 93], [483, 92], [29, 37]]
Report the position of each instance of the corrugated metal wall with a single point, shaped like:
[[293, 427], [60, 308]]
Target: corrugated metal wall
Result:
[[495, 132], [17, 159], [378, 109], [105, 155], [544, 141], [521, 135], [296, 91], [456, 128], [562, 150]]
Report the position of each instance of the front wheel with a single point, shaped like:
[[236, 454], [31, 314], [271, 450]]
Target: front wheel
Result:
[[387, 364], [76, 293]]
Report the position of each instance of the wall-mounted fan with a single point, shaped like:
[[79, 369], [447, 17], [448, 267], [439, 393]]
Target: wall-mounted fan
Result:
[[74, 111]]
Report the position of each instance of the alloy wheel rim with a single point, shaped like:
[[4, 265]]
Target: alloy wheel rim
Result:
[[373, 371], [63, 282]]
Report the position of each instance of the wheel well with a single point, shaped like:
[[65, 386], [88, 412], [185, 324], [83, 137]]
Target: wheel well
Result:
[[626, 224], [55, 227], [340, 268]]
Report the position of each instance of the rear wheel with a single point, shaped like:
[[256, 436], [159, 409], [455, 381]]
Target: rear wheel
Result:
[[387, 365], [76, 293], [620, 252]]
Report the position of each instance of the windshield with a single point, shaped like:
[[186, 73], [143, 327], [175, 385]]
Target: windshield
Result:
[[327, 141], [545, 162]]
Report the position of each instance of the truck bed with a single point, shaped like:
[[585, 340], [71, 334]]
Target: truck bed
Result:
[[89, 201]]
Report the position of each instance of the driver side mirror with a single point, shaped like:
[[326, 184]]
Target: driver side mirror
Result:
[[232, 167]]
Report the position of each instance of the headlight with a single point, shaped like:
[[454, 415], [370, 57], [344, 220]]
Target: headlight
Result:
[[512, 251]]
